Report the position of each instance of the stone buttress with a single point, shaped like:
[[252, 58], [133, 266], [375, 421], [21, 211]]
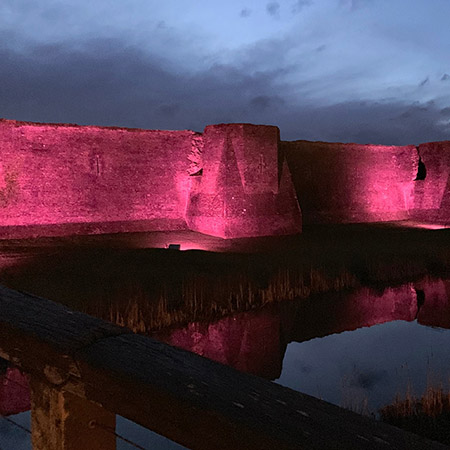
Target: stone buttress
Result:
[[243, 189]]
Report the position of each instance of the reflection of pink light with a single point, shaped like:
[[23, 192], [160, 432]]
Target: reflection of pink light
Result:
[[192, 246], [14, 392], [188, 245], [249, 342], [435, 311], [424, 225], [430, 226], [187, 240]]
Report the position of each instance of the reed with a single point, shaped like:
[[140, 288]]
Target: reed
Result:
[[206, 298], [150, 289], [427, 415]]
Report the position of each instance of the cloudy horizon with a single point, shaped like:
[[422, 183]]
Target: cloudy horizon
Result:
[[335, 70]]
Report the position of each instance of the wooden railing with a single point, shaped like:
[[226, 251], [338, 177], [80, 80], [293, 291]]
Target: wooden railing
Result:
[[84, 371]]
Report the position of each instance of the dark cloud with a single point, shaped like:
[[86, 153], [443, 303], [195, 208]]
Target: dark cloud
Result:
[[368, 380], [262, 102], [299, 5], [321, 48], [445, 77], [415, 109], [306, 369], [169, 110], [425, 81], [445, 111], [106, 82], [364, 123], [267, 54], [245, 12], [273, 8]]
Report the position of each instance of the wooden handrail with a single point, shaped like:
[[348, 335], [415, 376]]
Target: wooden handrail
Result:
[[189, 399]]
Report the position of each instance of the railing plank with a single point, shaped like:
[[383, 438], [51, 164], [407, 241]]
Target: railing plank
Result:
[[192, 400]]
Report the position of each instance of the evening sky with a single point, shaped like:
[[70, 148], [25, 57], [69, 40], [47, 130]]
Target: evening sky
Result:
[[368, 71]]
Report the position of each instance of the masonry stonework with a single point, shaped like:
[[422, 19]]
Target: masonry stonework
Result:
[[344, 183], [232, 181], [72, 175], [432, 194], [242, 192]]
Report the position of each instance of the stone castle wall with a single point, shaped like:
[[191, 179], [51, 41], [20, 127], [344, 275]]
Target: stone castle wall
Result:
[[234, 180], [348, 183], [342, 183], [432, 195], [243, 190], [62, 174]]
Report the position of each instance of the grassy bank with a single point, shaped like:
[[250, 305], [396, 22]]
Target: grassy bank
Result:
[[149, 289]]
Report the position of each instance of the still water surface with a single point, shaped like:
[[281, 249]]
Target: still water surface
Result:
[[357, 349]]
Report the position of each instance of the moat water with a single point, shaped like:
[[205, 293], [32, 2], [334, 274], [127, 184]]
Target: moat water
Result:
[[357, 349]]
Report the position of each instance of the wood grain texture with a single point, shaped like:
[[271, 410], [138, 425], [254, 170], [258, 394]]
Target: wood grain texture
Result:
[[191, 400]]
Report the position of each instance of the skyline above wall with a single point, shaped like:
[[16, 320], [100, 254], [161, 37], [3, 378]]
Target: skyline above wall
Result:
[[136, 129], [333, 70]]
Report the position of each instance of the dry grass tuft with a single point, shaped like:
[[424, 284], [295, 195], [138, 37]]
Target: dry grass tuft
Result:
[[428, 415]]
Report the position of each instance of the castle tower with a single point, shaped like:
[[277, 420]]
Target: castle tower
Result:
[[243, 190]]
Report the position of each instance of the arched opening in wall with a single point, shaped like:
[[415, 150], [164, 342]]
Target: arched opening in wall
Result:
[[421, 171]]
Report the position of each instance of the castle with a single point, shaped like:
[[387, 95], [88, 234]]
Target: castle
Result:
[[231, 181]]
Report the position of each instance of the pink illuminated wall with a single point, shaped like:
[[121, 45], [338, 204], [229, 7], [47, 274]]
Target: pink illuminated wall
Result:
[[242, 191], [60, 174], [338, 183], [346, 311], [427, 301], [435, 311], [117, 179], [432, 195], [249, 342], [232, 181], [14, 392]]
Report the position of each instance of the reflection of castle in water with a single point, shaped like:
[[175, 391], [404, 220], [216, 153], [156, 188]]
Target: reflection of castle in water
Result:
[[14, 390], [255, 341]]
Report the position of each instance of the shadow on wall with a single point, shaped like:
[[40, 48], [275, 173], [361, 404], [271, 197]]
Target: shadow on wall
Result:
[[344, 183], [432, 192], [240, 192], [234, 180]]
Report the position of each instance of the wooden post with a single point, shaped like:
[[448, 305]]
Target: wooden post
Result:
[[63, 421], [77, 362]]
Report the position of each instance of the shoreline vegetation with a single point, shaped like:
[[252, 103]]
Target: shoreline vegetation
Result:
[[152, 289], [427, 415]]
